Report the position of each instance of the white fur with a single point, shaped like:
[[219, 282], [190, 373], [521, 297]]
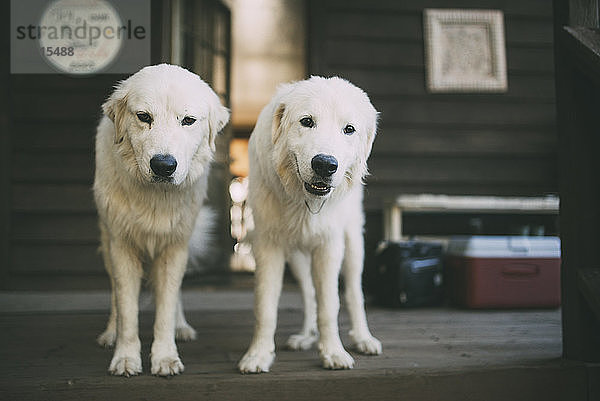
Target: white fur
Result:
[[147, 222], [318, 235]]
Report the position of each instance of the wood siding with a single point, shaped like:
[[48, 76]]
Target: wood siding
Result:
[[493, 144], [50, 234], [54, 228], [578, 85]]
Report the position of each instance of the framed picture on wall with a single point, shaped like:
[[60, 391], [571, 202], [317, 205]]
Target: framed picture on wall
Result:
[[465, 51]]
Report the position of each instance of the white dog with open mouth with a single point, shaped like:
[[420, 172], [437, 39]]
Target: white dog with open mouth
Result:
[[308, 158], [154, 146]]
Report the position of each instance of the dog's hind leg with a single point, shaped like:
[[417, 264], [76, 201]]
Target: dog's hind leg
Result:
[[109, 335], [300, 265], [183, 331], [352, 270]]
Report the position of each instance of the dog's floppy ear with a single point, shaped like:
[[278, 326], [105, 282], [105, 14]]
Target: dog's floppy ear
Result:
[[372, 132], [360, 169], [218, 118], [115, 108], [276, 125]]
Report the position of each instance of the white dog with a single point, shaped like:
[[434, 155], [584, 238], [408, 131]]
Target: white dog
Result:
[[154, 146], [308, 157]]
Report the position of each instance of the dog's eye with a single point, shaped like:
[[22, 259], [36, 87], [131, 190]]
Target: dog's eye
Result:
[[188, 120], [349, 129], [307, 122], [144, 117]]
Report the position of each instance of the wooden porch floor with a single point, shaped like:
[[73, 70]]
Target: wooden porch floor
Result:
[[48, 352]]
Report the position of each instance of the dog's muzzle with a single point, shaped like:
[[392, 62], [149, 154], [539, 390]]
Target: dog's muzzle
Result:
[[163, 167], [324, 166]]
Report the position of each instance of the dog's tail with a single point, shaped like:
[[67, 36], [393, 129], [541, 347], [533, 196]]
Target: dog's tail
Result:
[[202, 241]]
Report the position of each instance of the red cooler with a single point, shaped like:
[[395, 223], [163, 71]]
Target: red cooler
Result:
[[504, 271]]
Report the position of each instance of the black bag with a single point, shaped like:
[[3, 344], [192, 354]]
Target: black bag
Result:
[[408, 273]]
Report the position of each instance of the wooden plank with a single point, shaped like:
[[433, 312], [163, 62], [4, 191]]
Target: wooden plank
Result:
[[316, 51], [594, 382], [583, 45], [589, 285], [374, 53], [53, 167], [57, 106], [69, 228], [347, 23], [476, 204], [56, 259], [583, 13], [52, 198], [31, 136], [431, 354], [578, 100], [410, 54], [530, 59], [100, 84], [160, 47], [463, 113], [427, 140], [5, 147], [463, 169], [404, 82], [527, 30], [377, 192], [531, 8]]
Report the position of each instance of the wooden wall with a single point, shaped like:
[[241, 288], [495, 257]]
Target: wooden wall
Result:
[[50, 232], [500, 144], [577, 41], [53, 218], [480, 144]]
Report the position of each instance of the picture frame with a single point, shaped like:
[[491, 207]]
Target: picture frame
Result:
[[465, 51]]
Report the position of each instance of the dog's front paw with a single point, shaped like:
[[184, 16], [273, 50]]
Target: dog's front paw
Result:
[[125, 365], [166, 365], [185, 333], [256, 361], [302, 341], [368, 345], [335, 358], [107, 338]]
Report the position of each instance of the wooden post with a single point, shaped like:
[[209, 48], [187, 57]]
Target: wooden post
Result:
[[578, 101], [5, 151]]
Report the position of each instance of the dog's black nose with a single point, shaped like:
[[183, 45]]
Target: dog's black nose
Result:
[[324, 165], [163, 165]]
